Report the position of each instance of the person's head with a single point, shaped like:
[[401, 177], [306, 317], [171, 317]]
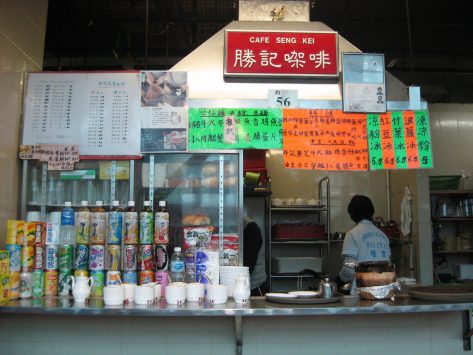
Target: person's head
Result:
[[360, 207]]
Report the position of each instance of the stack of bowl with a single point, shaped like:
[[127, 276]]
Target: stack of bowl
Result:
[[228, 274]]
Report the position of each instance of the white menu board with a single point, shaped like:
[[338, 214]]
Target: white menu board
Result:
[[100, 112]]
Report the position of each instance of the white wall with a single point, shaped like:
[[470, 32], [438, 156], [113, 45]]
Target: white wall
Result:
[[22, 34]]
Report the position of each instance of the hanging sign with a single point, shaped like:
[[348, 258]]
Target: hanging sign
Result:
[[283, 98], [281, 54], [228, 128], [324, 140], [399, 140]]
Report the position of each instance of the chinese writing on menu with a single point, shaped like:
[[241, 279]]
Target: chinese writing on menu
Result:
[[235, 128], [58, 156]]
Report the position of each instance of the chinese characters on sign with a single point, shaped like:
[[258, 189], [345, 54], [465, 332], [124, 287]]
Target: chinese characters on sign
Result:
[[58, 156], [324, 140], [399, 140], [281, 53], [226, 128]]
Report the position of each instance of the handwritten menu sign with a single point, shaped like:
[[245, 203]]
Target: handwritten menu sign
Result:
[[58, 156], [231, 128], [399, 140], [324, 140], [97, 111]]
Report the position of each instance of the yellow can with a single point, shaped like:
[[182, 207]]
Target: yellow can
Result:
[[27, 258], [50, 282], [81, 273], [15, 285], [20, 232]]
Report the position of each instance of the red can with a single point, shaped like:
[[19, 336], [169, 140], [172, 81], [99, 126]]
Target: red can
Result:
[[38, 257], [130, 257], [40, 233], [146, 257], [146, 277]]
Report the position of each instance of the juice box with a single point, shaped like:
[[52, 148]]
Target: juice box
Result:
[[20, 232], [30, 234], [4, 288], [4, 262]]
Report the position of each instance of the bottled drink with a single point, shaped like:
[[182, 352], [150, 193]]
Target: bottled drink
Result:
[[83, 223], [178, 267], [131, 224], [98, 224], [67, 231], [190, 262], [115, 224], [146, 224], [161, 224]]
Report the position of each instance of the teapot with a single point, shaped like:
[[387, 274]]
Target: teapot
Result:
[[81, 286], [241, 291], [327, 289]]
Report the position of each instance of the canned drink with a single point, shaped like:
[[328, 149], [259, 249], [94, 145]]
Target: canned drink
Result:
[[64, 283], [26, 284], [130, 257], [130, 277], [146, 277], [115, 228], [97, 257], [38, 257], [15, 256], [84, 273], [51, 257], [114, 278], [27, 259], [146, 257], [20, 232], [81, 257], [162, 278], [38, 283], [11, 231], [52, 233], [40, 233], [14, 285], [161, 257], [97, 286], [50, 282], [113, 257], [30, 237], [66, 257]]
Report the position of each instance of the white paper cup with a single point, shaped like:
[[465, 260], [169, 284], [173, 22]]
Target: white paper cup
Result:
[[113, 295], [217, 294], [129, 292], [144, 294], [175, 294], [195, 292], [157, 293]]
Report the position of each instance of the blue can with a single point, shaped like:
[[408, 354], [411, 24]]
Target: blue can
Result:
[[81, 257], [15, 257], [130, 277]]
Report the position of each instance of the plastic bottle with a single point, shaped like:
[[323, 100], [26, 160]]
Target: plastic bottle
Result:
[[67, 231], [178, 267], [161, 224], [115, 224], [98, 224], [82, 223], [146, 224], [190, 262], [131, 224]]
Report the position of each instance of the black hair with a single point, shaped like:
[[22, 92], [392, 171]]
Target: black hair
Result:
[[360, 207]]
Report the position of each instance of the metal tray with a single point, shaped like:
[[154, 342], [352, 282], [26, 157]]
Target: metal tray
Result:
[[442, 293], [311, 300]]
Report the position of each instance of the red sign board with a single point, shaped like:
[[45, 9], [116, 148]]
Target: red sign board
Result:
[[281, 54]]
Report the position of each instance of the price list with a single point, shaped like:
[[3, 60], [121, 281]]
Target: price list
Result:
[[120, 103], [95, 118]]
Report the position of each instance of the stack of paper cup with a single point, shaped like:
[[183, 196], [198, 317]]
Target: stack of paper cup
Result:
[[228, 274]]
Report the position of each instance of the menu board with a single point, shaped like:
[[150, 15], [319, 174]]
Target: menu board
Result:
[[399, 140], [97, 111], [324, 140], [232, 128]]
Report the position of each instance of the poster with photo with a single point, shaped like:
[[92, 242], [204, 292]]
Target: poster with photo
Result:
[[163, 111]]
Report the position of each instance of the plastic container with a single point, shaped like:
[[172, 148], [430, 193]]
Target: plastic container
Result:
[[161, 224], [115, 224], [178, 267], [82, 223], [67, 231], [146, 224], [190, 262], [131, 224]]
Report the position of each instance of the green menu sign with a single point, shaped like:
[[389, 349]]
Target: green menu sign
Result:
[[231, 128], [399, 140]]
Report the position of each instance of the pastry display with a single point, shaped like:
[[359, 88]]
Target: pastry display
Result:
[[195, 219]]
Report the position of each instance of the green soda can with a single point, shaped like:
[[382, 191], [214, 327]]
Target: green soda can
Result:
[[66, 257], [97, 287], [38, 283], [64, 282]]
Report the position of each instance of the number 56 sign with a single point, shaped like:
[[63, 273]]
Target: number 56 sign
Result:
[[282, 98]]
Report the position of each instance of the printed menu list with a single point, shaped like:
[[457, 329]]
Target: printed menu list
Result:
[[232, 128], [324, 140], [97, 111]]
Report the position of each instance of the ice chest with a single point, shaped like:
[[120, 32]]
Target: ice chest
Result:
[[287, 265], [298, 231], [462, 271]]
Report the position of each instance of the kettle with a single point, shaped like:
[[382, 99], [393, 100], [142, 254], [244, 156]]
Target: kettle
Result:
[[81, 288], [327, 288]]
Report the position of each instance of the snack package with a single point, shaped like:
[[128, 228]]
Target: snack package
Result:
[[202, 236]]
